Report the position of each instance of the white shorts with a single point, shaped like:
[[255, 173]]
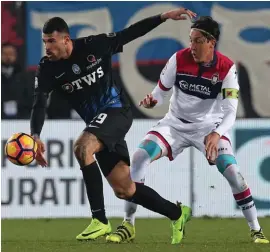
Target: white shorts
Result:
[[173, 136]]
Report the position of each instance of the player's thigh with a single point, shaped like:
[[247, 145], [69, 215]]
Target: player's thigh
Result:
[[171, 141], [108, 159], [111, 126], [224, 145]]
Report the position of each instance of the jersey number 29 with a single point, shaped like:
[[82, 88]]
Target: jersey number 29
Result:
[[101, 118]]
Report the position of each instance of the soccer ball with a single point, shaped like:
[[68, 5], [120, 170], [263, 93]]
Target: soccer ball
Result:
[[21, 149]]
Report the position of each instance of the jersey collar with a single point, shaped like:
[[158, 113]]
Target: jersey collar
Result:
[[211, 63]]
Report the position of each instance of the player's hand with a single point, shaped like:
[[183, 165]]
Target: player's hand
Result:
[[178, 14], [40, 152], [148, 101], [211, 146]]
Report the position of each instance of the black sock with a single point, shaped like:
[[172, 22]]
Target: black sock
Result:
[[94, 188], [150, 199]]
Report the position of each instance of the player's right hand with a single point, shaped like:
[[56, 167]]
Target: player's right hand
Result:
[[148, 102], [40, 152]]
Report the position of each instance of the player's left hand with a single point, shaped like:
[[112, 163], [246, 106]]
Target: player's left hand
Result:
[[178, 14], [148, 102], [211, 143]]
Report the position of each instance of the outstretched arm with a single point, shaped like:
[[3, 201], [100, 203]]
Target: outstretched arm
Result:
[[146, 25], [113, 42]]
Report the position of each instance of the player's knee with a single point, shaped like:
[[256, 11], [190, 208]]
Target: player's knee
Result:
[[149, 149], [224, 161], [86, 144], [82, 151], [124, 191]]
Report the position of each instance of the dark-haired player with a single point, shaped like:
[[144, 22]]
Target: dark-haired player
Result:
[[80, 71], [202, 111]]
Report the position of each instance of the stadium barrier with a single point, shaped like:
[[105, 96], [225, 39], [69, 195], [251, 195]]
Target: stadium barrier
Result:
[[58, 190]]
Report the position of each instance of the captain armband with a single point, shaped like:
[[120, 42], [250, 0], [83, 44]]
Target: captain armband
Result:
[[230, 93]]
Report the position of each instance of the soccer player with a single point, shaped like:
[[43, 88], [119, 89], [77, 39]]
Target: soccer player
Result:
[[202, 111], [80, 71]]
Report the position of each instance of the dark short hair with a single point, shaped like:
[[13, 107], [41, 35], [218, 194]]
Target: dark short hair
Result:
[[55, 24], [208, 26]]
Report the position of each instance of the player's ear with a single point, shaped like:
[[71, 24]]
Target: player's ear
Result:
[[212, 43], [66, 39]]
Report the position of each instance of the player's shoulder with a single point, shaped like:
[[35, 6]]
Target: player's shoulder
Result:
[[91, 43], [46, 68], [89, 40], [184, 54], [44, 62], [224, 62]]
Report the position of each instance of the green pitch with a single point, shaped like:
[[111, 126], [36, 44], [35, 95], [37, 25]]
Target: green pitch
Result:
[[58, 235]]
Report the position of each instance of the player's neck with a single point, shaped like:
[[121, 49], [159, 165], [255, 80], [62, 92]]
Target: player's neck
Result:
[[209, 58], [69, 50]]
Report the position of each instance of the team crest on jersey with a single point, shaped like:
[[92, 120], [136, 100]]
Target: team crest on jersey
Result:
[[76, 69], [215, 78], [91, 58], [68, 88]]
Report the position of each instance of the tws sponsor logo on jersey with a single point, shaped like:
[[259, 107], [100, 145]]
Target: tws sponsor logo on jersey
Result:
[[194, 88], [88, 79]]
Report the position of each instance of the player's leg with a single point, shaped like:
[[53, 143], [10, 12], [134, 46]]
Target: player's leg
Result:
[[124, 188], [149, 150], [162, 140], [101, 135], [120, 180], [84, 148], [227, 166]]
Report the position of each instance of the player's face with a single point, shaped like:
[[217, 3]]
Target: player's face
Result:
[[55, 45], [200, 46]]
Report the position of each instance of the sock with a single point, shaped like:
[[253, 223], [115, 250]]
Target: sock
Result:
[[140, 160], [245, 202], [130, 210], [94, 188], [150, 199], [242, 195]]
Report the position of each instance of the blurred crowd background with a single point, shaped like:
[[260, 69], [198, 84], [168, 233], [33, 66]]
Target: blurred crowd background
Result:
[[245, 37]]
